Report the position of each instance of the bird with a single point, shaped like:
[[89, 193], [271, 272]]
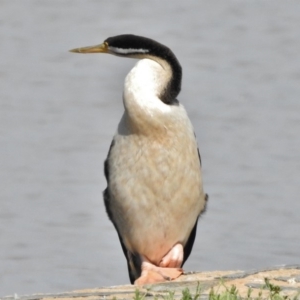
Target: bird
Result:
[[154, 194]]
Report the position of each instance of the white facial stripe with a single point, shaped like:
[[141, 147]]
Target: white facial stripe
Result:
[[127, 51]]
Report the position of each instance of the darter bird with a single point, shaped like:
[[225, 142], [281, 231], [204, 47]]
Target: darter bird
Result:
[[154, 193]]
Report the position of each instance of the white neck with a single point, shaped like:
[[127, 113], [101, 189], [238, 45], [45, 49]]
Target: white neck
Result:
[[143, 86]]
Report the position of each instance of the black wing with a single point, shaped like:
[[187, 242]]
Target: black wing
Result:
[[106, 195]]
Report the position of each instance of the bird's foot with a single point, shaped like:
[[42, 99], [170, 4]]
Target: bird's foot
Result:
[[168, 269], [153, 274]]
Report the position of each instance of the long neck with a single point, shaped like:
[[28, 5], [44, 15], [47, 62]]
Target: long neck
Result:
[[144, 86]]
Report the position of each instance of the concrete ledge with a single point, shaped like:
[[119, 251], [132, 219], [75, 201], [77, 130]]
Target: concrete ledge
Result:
[[285, 276]]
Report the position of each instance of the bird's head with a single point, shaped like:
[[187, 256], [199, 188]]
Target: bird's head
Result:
[[128, 45]]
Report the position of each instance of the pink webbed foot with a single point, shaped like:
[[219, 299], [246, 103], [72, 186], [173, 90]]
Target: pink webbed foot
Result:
[[168, 269]]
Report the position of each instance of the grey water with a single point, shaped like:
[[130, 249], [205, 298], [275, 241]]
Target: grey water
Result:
[[59, 111]]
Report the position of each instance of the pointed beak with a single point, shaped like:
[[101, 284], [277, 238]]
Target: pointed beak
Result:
[[103, 48]]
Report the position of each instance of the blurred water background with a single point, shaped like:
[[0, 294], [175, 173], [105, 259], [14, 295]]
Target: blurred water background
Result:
[[59, 111]]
